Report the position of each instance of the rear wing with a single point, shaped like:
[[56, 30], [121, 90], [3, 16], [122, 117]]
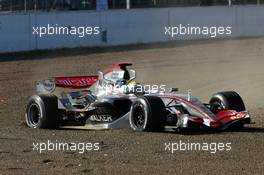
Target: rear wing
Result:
[[75, 82], [80, 82]]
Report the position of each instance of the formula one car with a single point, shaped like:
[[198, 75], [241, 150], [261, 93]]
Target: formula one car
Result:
[[114, 100]]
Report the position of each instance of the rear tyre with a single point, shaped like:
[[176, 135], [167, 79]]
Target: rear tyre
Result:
[[148, 113], [42, 112]]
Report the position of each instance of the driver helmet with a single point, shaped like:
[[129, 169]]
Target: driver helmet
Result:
[[120, 82]]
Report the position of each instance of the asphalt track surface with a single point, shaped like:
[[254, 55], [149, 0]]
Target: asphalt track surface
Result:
[[205, 67]]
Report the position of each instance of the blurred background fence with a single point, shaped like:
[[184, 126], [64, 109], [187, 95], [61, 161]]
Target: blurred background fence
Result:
[[63, 5]]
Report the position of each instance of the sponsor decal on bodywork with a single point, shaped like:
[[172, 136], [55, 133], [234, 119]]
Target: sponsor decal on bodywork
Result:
[[101, 118], [75, 82]]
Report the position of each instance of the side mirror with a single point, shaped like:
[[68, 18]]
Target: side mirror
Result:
[[100, 75], [174, 90]]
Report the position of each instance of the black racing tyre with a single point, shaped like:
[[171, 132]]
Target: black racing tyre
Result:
[[147, 113], [226, 100], [42, 112]]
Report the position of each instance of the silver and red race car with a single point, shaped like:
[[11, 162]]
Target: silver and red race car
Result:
[[113, 99]]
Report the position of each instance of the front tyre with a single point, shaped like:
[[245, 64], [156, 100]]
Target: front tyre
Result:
[[42, 112], [148, 113], [228, 100]]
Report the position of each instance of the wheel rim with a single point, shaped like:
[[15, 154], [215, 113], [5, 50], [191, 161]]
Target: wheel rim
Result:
[[139, 117], [34, 114]]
